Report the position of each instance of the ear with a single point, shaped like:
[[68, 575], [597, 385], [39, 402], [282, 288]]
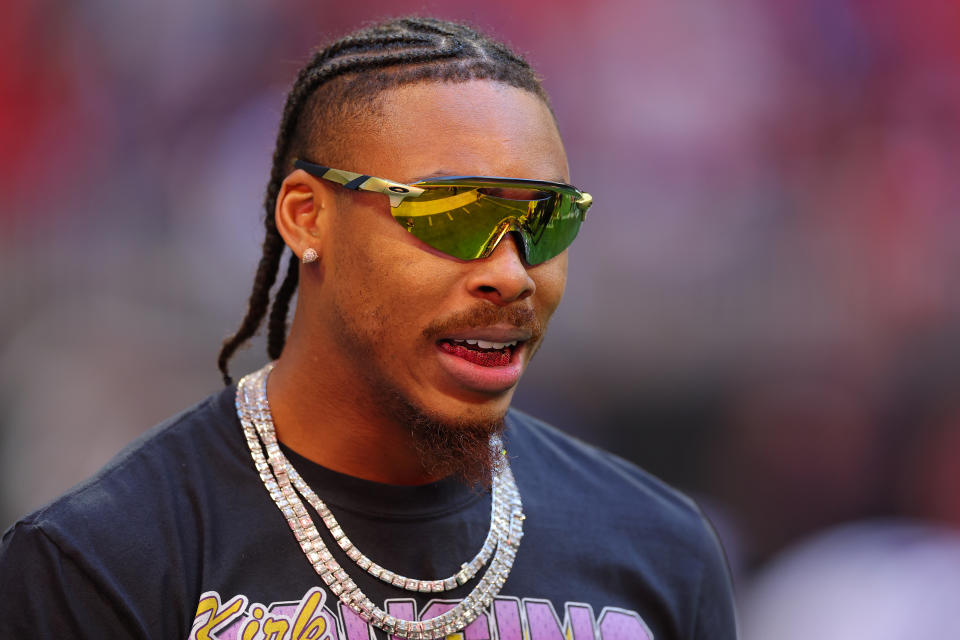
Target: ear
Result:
[[302, 211]]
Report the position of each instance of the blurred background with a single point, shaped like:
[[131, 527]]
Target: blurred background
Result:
[[763, 309]]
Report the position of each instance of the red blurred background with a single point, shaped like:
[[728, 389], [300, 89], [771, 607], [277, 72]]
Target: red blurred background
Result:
[[762, 309]]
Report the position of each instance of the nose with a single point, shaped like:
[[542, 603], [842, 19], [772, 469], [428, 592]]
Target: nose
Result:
[[501, 277]]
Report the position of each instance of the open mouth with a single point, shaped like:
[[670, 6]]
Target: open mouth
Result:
[[481, 352]]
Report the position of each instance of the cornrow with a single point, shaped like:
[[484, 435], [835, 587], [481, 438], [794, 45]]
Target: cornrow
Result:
[[381, 57]]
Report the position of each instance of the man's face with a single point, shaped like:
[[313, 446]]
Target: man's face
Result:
[[397, 315]]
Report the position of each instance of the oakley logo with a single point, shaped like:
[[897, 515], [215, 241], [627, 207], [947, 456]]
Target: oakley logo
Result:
[[399, 189]]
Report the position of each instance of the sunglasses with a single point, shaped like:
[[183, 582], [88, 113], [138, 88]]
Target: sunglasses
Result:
[[467, 216]]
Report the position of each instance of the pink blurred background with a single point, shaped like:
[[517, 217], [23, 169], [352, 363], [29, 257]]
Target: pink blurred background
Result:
[[763, 308]]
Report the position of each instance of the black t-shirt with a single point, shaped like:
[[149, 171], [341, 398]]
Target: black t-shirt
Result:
[[177, 537]]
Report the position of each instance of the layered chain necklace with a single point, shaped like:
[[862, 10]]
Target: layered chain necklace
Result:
[[285, 487]]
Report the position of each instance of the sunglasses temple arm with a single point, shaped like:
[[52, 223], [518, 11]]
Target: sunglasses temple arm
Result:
[[396, 191], [584, 202]]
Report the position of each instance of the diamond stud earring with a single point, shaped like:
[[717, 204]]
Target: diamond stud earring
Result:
[[310, 255]]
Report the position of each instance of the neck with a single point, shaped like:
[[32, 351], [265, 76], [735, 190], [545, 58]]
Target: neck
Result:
[[329, 420]]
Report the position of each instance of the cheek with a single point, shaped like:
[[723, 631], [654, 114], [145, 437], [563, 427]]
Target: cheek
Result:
[[551, 279], [386, 279], [356, 280]]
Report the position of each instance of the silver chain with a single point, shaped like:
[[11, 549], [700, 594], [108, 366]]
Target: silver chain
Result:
[[283, 484]]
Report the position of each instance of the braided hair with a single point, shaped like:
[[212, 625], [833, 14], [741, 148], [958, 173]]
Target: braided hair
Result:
[[344, 80]]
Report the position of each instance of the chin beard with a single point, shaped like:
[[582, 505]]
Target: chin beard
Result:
[[460, 447]]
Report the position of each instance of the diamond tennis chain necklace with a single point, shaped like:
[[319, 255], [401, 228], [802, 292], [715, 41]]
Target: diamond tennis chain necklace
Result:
[[283, 483]]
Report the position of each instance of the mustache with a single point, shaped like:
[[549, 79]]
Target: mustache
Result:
[[486, 315]]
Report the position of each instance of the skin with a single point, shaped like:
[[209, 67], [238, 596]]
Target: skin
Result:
[[365, 329]]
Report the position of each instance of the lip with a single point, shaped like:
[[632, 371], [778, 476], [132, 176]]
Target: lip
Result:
[[480, 379], [494, 333]]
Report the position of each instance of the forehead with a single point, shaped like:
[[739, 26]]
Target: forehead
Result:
[[467, 128]]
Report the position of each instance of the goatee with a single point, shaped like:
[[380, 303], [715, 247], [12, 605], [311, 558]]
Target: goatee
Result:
[[458, 448]]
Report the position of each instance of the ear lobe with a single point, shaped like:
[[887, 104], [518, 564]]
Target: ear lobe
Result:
[[300, 212]]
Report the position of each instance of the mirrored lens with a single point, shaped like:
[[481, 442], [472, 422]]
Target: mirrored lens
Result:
[[556, 232], [467, 221]]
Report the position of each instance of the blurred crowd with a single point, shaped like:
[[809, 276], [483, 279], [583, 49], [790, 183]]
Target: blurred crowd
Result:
[[763, 309]]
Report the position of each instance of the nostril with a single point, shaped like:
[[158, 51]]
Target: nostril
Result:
[[487, 288]]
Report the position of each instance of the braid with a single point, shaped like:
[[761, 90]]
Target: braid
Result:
[[259, 299], [277, 330], [353, 70]]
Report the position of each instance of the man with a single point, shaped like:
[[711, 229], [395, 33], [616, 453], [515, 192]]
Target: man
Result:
[[342, 491]]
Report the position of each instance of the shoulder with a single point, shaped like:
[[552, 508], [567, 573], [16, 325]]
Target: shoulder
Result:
[[587, 465], [129, 535], [144, 479], [661, 541], [592, 479]]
